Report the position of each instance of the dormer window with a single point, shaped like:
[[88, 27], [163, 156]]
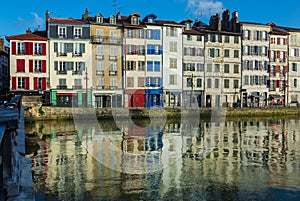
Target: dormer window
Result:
[[112, 20], [62, 32], [150, 20], [77, 32], [99, 19], [188, 26], [134, 21]]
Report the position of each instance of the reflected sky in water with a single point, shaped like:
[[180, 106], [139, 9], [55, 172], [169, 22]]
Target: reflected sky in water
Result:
[[232, 160]]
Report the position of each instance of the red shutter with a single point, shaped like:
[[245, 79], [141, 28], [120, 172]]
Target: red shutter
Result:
[[43, 66], [13, 83], [35, 83], [269, 53], [30, 65], [278, 41], [27, 83], [277, 83], [43, 83], [126, 49], [286, 69], [13, 48], [277, 54], [44, 49], [277, 69], [29, 48], [20, 65]]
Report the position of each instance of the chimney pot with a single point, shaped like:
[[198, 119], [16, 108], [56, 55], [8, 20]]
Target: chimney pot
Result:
[[28, 31]]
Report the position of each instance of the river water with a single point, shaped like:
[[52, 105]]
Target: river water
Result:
[[245, 159]]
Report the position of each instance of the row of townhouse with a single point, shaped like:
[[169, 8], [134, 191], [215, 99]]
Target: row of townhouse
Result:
[[126, 61]]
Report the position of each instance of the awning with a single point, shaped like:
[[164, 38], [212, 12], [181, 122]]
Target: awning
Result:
[[175, 92], [66, 94]]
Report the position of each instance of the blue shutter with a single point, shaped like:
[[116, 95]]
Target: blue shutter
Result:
[[153, 81], [160, 49], [157, 66], [152, 49], [149, 65], [147, 81], [149, 49], [158, 34], [160, 82]]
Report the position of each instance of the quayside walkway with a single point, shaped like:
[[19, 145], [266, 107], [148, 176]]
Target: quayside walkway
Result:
[[15, 169]]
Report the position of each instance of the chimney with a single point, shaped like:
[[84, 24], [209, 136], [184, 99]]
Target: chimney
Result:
[[198, 24], [225, 20], [47, 18], [235, 22], [36, 30], [86, 14], [118, 16], [28, 31]]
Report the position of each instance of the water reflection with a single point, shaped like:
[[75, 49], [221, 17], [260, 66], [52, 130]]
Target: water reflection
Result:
[[254, 160]]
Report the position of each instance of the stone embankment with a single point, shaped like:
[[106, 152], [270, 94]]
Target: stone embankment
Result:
[[41, 113]]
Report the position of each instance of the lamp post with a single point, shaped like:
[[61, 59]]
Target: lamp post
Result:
[[86, 87]]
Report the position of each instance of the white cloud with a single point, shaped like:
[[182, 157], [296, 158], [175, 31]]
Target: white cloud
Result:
[[204, 8], [38, 21]]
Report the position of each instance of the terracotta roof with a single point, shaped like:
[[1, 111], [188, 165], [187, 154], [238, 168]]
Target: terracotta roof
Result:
[[66, 21], [192, 32], [168, 22], [255, 23], [38, 35], [221, 32], [290, 29]]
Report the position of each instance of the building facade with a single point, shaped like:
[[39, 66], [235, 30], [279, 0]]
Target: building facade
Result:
[[4, 70]]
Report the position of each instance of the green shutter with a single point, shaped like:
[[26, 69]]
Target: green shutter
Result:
[[53, 97], [55, 47], [79, 95]]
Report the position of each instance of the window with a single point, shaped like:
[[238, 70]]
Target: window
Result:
[[189, 37], [99, 35], [149, 66], [217, 68], [246, 34], [236, 69], [100, 82], [113, 53], [141, 66], [294, 52], [226, 83], [130, 82], [173, 46], [21, 82], [208, 83], [99, 52], [213, 38], [130, 65], [156, 66], [226, 39], [112, 20], [236, 54], [20, 48], [77, 83], [171, 31], [226, 53], [99, 19], [295, 82], [38, 66], [199, 38], [235, 84], [209, 67], [173, 62], [100, 68], [200, 67], [113, 66], [77, 32], [226, 68], [216, 83], [200, 52], [38, 48], [141, 82], [40, 83], [141, 50], [62, 32], [135, 21], [113, 82], [236, 40], [62, 83], [78, 49], [214, 52], [246, 80], [113, 36], [173, 79], [294, 67], [189, 82], [199, 82], [188, 66]]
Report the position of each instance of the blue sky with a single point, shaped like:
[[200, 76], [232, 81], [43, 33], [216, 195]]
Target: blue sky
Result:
[[17, 15]]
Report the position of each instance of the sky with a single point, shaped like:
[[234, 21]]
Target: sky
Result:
[[18, 15]]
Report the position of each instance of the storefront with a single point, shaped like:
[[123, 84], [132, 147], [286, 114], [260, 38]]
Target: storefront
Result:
[[135, 98], [154, 98]]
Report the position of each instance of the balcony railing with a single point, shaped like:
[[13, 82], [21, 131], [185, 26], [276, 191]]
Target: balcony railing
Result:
[[112, 58], [100, 57], [113, 87], [100, 87], [61, 54], [61, 87], [77, 54], [106, 40], [113, 73], [99, 72], [62, 72], [76, 87], [77, 73]]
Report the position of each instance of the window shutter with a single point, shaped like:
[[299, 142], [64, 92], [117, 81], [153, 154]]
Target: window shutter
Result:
[[277, 69], [43, 66], [278, 41], [13, 48], [55, 47], [44, 83], [286, 69], [35, 83], [27, 83], [30, 65], [277, 54], [44, 49], [14, 83], [82, 47], [160, 49], [55, 65]]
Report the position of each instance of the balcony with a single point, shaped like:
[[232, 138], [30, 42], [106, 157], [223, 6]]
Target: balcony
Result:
[[106, 40], [77, 54], [113, 73], [61, 87], [61, 54], [100, 87], [99, 72], [77, 87], [113, 87], [62, 72], [76, 72], [113, 58], [100, 57]]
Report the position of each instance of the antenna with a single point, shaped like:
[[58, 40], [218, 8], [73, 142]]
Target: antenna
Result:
[[115, 5]]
